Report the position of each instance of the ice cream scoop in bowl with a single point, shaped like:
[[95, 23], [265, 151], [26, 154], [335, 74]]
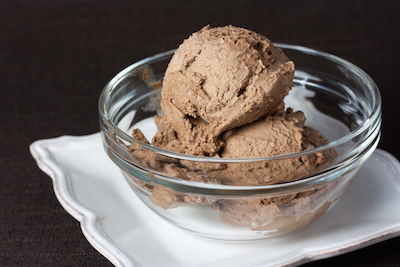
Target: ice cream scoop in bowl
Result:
[[227, 197]]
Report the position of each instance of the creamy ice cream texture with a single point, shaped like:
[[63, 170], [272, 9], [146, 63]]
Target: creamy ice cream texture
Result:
[[219, 79], [223, 96]]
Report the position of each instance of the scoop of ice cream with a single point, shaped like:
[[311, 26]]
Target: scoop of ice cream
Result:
[[280, 134], [219, 79]]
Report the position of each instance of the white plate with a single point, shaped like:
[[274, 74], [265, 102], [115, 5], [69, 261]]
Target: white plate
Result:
[[91, 188]]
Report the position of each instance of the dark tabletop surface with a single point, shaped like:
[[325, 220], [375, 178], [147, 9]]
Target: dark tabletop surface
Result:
[[56, 56]]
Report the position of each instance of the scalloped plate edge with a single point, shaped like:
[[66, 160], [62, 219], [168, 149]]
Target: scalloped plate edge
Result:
[[87, 218]]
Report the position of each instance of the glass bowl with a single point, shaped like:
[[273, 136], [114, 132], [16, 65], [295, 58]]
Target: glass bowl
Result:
[[195, 193]]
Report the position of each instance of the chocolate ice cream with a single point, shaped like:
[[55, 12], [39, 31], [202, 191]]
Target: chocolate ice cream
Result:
[[219, 79], [223, 97]]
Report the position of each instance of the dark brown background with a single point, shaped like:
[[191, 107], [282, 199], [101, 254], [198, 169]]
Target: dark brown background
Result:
[[56, 56]]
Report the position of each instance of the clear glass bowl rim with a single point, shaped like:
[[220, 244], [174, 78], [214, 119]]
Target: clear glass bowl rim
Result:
[[373, 117]]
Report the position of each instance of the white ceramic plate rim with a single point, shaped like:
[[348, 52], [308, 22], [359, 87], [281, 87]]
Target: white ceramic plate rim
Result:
[[92, 231]]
